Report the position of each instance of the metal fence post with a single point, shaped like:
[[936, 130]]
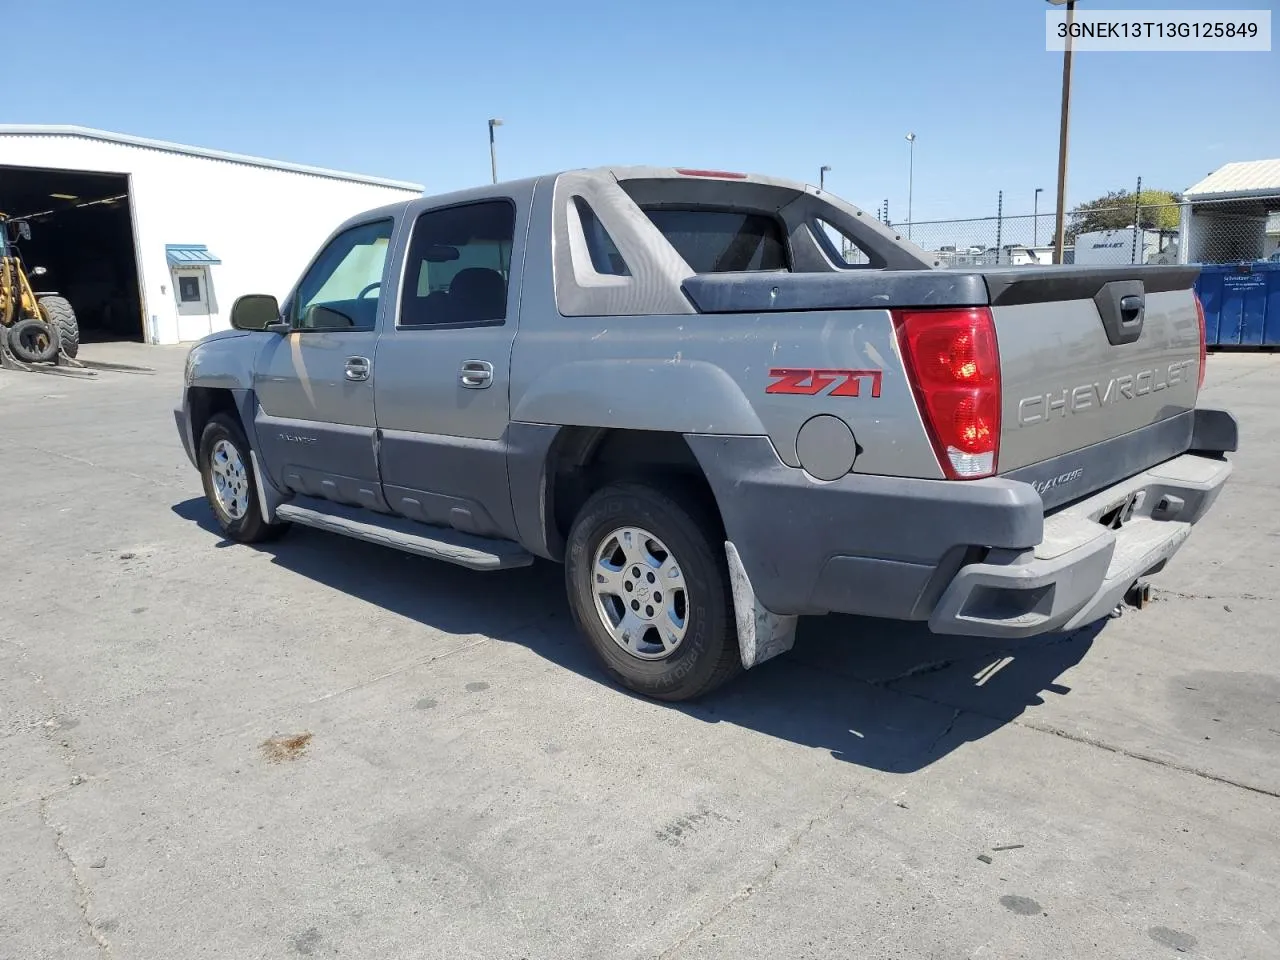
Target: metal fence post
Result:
[[1137, 223], [1184, 232], [999, 223]]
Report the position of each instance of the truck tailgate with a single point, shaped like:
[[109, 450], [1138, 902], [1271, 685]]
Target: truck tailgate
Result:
[[1091, 355]]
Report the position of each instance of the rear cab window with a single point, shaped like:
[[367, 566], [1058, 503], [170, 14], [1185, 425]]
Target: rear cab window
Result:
[[722, 225], [723, 241]]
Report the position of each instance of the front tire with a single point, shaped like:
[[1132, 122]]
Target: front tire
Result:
[[230, 486], [649, 587]]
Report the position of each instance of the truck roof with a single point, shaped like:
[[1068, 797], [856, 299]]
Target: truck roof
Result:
[[655, 185], [612, 172]]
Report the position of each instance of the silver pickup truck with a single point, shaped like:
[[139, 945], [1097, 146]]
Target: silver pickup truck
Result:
[[722, 401]]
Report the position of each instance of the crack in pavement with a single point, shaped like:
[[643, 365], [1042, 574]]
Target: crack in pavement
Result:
[[81, 889], [1146, 757], [266, 715], [256, 719], [935, 666], [1161, 592], [951, 725], [155, 481], [762, 879]]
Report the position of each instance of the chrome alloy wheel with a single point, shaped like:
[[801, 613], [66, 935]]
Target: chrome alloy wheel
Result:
[[230, 479], [640, 593]]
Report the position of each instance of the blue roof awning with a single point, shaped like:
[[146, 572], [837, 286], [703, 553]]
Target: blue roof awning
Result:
[[189, 255]]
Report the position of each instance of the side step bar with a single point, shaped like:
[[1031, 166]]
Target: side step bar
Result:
[[438, 543]]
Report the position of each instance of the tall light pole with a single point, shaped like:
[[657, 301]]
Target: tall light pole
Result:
[[822, 176], [1035, 217], [493, 150], [911, 176], [1059, 229]]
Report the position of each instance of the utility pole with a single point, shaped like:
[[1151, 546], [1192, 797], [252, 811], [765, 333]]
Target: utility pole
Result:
[[493, 150], [911, 176], [1060, 225], [1035, 218]]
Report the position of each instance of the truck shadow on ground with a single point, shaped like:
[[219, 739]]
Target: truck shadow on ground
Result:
[[885, 695]]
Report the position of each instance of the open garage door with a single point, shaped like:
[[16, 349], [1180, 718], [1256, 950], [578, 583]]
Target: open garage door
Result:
[[82, 234]]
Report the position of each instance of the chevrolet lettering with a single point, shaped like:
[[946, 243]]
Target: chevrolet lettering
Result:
[[1088, 396], [674, 382]]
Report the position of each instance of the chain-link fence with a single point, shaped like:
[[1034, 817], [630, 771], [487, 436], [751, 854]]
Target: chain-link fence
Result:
[[1212, 231]]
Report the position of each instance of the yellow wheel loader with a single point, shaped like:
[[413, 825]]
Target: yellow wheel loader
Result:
[[35, 328]]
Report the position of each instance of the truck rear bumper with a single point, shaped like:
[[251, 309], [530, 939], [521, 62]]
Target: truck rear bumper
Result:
[[977, 557], [1091, 554]]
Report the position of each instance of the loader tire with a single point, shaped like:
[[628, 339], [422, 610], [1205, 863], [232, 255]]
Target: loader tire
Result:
[[33, 341], [62, 318]]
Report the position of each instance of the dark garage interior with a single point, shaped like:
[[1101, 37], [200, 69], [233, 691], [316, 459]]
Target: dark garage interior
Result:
[[82, 234]]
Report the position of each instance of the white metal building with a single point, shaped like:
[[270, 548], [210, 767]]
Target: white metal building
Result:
[[154, 241], [1226, 215]]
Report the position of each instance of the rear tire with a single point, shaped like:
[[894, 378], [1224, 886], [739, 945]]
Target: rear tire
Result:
[[59, 314], [649, 587], [33, 341], [230, 485]]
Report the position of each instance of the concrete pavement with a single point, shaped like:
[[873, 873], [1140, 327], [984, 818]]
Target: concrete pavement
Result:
[[323, 748]]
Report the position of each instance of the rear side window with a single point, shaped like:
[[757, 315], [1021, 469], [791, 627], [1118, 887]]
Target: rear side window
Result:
[[604, 254], [721, 241], [841, 247], [458, 265]]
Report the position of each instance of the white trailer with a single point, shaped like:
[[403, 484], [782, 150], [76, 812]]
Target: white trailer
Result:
[[1102, 247]]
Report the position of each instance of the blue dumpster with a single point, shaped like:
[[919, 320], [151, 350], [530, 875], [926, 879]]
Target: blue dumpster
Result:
[[1241, 303]]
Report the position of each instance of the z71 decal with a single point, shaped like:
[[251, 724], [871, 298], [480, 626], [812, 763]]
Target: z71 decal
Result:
[[809, 382]]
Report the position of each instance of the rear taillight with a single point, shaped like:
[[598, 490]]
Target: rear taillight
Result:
[[954, 367], [1204, 351]]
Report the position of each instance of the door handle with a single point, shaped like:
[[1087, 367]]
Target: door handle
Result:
[[476, 374], [357, 368]]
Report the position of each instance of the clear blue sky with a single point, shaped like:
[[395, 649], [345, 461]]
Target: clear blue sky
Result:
[[403, 88]]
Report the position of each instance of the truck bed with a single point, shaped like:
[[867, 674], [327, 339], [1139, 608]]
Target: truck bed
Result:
[[1095, 384]]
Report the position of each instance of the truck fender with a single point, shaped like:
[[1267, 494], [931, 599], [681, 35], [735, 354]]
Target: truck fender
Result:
[[678, 396]]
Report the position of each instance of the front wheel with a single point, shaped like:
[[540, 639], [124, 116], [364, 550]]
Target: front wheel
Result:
[[649, 587], [229, 482]]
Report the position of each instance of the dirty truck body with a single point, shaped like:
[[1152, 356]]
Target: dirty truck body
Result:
[[736, 387]]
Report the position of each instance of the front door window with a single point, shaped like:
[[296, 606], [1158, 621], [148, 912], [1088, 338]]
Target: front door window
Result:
[[341, 290]]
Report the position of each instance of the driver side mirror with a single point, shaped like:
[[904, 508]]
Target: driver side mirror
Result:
[[257, 311], [24, 229]]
